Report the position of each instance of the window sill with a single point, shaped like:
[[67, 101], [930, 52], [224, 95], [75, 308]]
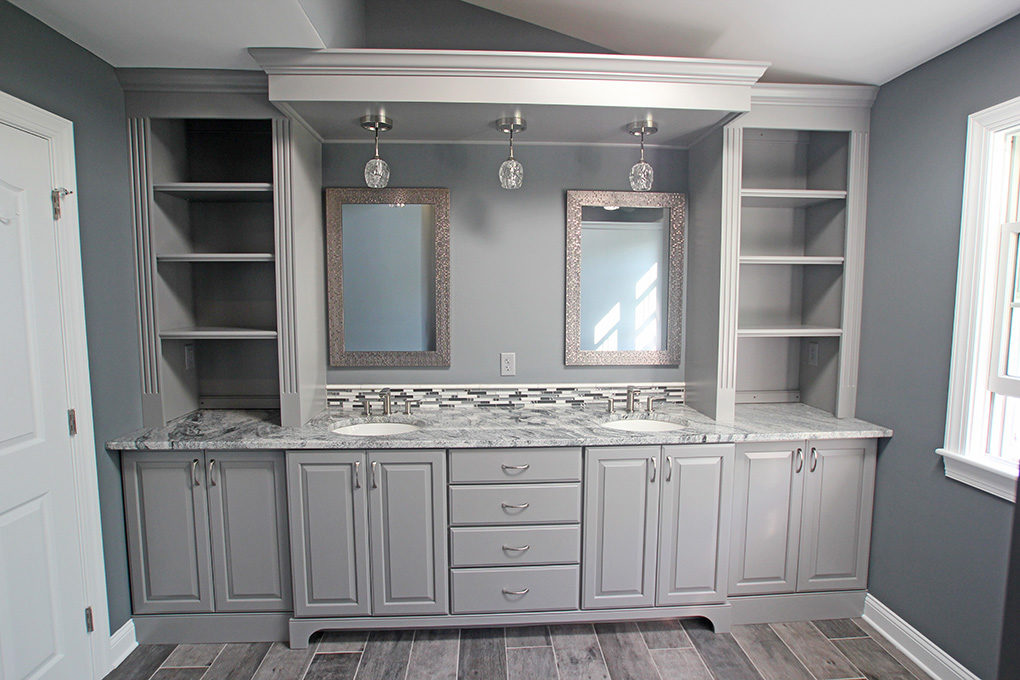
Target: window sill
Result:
[[987, 473]]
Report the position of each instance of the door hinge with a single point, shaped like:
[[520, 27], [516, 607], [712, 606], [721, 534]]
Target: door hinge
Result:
[[55, 197], [72, 422], [90, 626]]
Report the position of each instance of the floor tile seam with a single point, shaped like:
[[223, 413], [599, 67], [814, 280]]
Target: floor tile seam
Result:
[[160, 666], [750, 660], [528, 646], [308, 664], [602, 655], [410, 652], [700, 656], [839, 651], [262, 661], [648, 649], [556, 661], [506, 657], [860, 673], [883, 641], [888, 653], [788, 646], [222, 647]]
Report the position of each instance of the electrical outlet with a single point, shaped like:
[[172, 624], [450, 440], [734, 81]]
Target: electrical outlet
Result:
[[189, 357], [507, 363], [812, 353]]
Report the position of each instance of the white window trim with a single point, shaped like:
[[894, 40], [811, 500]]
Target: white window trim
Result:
[[967, 411]]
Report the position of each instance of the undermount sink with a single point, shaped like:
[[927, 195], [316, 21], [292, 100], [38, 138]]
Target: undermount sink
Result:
[[376, 429], [643, 425]]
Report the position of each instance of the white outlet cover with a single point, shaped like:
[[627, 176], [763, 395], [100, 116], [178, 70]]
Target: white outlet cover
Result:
[[507, 363]]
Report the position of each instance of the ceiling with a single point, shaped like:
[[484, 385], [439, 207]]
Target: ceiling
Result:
[[865, 41]]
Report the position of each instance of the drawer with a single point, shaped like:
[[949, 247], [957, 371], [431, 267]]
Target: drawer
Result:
[[515, 589], [515, 504], [495, 466], [510, 546]]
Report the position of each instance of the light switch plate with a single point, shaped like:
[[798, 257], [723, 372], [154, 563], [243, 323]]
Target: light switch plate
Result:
[[507, 363], [189, 357], [812, 353]]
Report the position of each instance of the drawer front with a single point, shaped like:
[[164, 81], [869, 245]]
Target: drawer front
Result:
[[502, 466], [515, 589], [515, 504], [497, 546]]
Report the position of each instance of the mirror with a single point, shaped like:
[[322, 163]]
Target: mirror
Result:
[[388, 276], [624, 288]]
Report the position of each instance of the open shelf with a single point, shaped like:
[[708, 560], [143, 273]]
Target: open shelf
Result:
[[792, 259], [788, 198], [217, 191], [216, 257], [795, 160], [788, 332], [217, 333], [773, 369]]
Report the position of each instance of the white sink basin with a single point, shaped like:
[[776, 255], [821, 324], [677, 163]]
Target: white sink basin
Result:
[[376, 429], [643, 425]]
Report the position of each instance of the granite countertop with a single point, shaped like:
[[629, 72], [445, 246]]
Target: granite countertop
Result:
[[492, 427]]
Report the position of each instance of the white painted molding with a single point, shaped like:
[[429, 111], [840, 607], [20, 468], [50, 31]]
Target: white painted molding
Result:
[[967, 408], [122, 643], [988, 473], [789, 94], [932, 659], [192, 80], [59, 135]]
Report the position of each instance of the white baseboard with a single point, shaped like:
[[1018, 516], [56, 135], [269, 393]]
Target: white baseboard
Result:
[[932, 659], [122, 643]]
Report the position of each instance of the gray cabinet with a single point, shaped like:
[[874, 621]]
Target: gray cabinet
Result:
[[328, 501], [369, 532], [694, 517], [407, 520], [621, 509], [207, 532], [801, 516]]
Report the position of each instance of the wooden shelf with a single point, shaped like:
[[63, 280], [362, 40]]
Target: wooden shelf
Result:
[[788, 198], [217, 191], [216, 257], [793, 259], [789, 332], [217, 333]]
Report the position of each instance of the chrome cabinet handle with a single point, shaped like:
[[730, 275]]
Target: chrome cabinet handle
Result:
[[212, 466], [375, 467], [516, 468], [357, 474], [510, 506], [522, 548], [652, 460], [523, 591], [814, 458], [194, 473], [800, 460], [669, 468]]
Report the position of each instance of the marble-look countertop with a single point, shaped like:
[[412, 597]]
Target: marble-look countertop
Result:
[[492, 427]]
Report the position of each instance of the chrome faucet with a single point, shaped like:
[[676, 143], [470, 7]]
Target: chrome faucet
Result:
[[632, 394], [387, 401]]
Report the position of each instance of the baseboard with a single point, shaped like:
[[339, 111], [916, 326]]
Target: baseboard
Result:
[[932, 659], [779, 608], [122, 643]]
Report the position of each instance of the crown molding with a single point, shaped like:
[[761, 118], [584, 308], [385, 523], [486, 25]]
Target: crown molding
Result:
[[792, 94]]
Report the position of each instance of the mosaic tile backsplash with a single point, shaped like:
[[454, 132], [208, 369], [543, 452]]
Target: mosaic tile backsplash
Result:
[[450, 396]]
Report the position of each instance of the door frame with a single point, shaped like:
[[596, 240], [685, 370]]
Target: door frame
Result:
[[59, 134]]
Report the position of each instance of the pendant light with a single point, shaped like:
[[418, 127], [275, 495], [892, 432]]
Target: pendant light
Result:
[[377, 172], [511, 172], [641, 174]]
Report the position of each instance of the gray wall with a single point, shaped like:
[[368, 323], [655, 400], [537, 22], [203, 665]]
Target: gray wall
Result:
[[507, 251], [939, 548], [42, 67]]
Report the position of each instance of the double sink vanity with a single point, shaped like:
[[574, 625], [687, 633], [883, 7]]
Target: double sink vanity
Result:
[[240, 529]]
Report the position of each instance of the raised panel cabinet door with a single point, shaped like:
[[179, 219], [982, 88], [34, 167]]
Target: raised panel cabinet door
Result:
[[328, 501], [835, 536], [167, 532], [694, 517], [621, 510], [248, 528], [407, 516], [768, 486]]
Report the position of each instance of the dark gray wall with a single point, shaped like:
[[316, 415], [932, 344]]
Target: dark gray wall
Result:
[[939, 548], [1009, 660], [507, 251], [42, 67]]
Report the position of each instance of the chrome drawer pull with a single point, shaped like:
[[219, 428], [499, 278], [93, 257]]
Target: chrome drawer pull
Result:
[[814, 458], [510, 506], [515, 468], [194, 473], [212, 466], [357, 474], [522, 548], [523, 591], [800, 460]]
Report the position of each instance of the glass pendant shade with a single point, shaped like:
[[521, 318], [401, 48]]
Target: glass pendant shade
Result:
[[377, 171], [641, 173], [511, 172]]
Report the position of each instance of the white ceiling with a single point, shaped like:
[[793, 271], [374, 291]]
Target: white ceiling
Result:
[[859, 41]]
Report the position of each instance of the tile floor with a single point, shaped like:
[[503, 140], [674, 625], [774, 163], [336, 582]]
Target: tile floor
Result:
[[838, 649]]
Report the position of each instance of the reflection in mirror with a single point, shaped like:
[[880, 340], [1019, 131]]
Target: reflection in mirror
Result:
[[624, 278], [388, 276]]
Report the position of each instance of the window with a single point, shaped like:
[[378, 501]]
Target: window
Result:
[[982, 445]]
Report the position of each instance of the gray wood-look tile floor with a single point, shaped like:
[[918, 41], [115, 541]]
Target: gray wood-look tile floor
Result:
[[840, 649]]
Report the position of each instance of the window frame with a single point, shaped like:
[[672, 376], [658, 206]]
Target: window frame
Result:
[[965, 453]]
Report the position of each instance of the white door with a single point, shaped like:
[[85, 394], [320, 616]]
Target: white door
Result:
[[42, 587]]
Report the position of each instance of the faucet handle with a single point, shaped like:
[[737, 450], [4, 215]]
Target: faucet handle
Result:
[[367, 406], [612, 405], [408, 404], [650, 403]]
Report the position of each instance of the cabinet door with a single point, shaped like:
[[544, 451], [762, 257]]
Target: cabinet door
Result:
[[248, 527], [167, 532], [408, 532], [621, 509], [835, 536], [767, 495], [694, 515], [328, 502]]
